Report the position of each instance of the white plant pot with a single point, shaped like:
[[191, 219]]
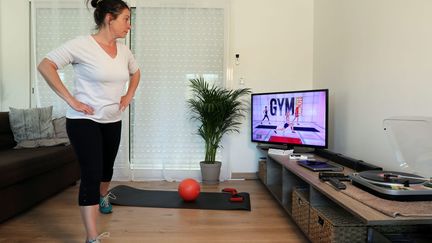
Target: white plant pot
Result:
[[210, 172]]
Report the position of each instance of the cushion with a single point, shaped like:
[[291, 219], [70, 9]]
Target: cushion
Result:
[[60, 127], [43, 142], [31, 124]]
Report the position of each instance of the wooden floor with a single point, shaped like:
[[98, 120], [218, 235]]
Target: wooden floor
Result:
[[57, 220]]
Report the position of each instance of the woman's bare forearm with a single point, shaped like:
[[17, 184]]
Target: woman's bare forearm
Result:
[[48, 70], [133, 83]]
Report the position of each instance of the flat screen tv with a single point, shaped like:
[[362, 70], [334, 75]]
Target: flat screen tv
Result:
[[291, 118]]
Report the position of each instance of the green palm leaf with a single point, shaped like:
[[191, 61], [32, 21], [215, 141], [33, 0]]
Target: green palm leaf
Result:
[[219, 112]]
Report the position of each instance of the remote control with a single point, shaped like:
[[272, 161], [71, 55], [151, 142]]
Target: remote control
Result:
[[337, 183], [325, 176], [331, 174]]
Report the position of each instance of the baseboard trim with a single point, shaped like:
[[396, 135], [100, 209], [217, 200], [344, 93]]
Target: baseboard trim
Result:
[[246, 176]]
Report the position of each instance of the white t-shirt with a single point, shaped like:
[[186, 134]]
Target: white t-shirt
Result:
[[99, 79]]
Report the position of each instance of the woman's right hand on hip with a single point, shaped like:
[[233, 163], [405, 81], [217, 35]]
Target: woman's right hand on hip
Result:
[[81, 107]]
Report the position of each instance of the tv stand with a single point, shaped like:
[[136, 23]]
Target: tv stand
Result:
[[264, 146], [307, 200]]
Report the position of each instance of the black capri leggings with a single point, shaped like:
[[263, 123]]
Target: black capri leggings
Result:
[[96, 145]]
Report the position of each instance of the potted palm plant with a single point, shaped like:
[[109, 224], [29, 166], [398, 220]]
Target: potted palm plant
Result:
[[219, 111]]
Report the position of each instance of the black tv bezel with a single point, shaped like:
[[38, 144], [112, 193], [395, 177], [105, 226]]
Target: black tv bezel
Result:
[[292, 145]]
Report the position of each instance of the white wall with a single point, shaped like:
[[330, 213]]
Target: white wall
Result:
[[376, 59], [15, 53], [275, 41]]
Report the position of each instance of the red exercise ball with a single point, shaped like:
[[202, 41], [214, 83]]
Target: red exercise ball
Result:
[[189, 189]]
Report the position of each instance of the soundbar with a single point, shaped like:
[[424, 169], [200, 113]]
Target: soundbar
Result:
[[355, 164]]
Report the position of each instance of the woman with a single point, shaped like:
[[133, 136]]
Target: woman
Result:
[[102, 68]]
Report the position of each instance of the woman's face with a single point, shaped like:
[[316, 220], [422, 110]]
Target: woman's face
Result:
[[121, 25]]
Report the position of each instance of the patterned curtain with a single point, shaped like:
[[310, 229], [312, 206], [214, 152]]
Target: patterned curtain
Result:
[[173, 42]]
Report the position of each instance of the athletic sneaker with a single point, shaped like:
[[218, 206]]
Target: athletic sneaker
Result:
[[105, 206], [99, 237]]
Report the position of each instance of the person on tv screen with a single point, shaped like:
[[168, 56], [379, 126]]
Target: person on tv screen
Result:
[[265, 112], [297, 114], [286, 125]]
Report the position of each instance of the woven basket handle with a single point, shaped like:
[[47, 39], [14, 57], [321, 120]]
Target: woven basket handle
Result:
[[320, 221], [299, 201]]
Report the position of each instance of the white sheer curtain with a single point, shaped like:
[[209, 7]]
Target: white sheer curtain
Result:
[[53, 23], [173, 41]]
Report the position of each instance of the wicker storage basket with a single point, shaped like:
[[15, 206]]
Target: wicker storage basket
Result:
[[329, 224], [300, 209], [262, 170]]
